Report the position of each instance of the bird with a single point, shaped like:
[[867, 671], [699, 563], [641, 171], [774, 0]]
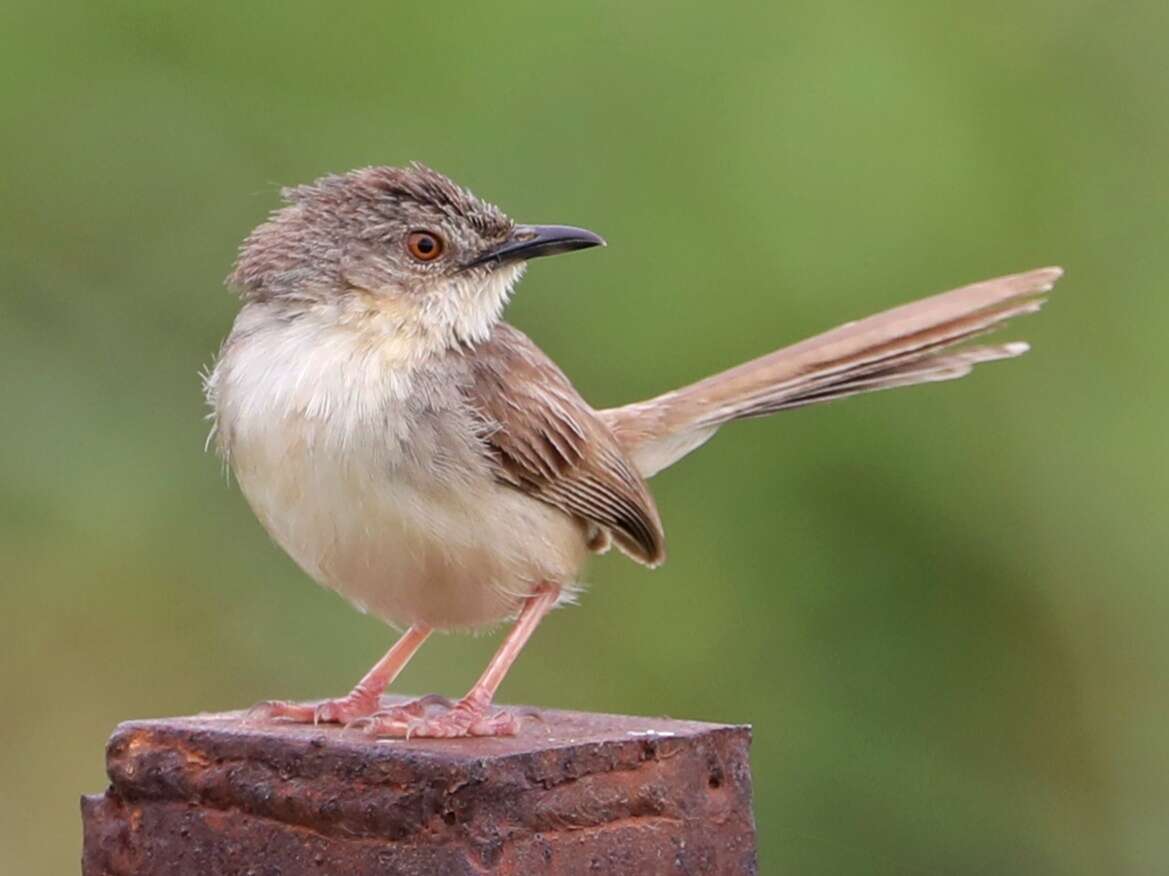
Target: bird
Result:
[[417, 454]]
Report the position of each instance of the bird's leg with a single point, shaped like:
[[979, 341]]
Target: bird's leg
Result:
[[472, 715], [364, 699]]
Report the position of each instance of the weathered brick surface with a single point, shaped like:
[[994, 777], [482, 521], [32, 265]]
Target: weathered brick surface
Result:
[[577, 793]]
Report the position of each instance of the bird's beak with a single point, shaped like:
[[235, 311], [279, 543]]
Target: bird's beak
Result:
[[532, 241]]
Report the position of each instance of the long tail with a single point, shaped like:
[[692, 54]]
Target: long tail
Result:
[[900, 347]]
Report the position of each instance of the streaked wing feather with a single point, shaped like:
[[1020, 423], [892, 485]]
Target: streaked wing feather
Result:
[[548, 442]]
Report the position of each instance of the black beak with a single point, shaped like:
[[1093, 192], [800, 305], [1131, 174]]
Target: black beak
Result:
[[532, 241]]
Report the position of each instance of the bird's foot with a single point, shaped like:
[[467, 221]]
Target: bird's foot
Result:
[[348, 710], [412, 710], [465, 718], [342, 710]]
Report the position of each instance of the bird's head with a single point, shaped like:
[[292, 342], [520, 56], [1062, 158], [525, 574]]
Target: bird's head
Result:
[[404, 242]]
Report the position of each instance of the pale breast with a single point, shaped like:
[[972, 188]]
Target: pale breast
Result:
[[372, 476]]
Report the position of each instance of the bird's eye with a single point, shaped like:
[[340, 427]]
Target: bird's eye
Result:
[[424, 245]]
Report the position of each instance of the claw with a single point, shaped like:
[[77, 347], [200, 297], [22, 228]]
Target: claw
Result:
[[259, 712], [357, 723], [530, 713], [500, 723], [430, 700]]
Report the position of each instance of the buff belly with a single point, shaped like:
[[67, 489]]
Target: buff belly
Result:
[[403, 545], [373, 479]]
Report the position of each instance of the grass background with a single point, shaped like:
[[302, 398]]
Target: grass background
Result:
[[943, 609]]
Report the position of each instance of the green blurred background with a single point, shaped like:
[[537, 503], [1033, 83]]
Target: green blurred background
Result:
[[943, 609]]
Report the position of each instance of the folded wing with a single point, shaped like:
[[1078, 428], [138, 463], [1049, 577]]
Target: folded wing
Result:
[[547, 441]]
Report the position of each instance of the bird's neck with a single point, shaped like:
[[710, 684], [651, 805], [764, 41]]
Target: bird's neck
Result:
[[409, 327]]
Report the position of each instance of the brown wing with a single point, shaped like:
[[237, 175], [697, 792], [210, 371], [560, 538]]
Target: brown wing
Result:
[[548, 442]]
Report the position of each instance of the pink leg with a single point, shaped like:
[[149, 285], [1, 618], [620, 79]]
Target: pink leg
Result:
[[470, 715], [364, 699]]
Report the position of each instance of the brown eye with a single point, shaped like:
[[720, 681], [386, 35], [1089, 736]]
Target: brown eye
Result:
[[424, 246]]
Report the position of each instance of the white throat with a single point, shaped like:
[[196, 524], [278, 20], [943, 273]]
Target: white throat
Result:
[[464, 309]]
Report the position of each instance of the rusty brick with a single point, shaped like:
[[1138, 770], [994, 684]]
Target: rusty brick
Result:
[[575, 793]]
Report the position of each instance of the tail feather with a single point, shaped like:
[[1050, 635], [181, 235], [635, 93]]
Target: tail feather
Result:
[[931, 369], [899, 347], [921, 347]]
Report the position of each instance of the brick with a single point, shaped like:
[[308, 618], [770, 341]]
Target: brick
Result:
[[573, 793]]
